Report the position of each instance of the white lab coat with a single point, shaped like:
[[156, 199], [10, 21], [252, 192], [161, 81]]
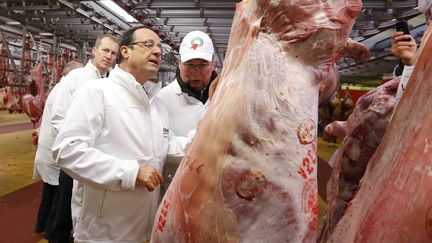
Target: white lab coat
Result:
[[184, 111], [45, 166], [72, 81], [55, 109], [110, 130]]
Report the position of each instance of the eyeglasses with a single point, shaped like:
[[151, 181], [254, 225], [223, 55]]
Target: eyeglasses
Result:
[[197, 65], [149, 44]]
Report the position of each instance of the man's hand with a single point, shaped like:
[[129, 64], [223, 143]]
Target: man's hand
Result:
[[148, 177], [404, 47]]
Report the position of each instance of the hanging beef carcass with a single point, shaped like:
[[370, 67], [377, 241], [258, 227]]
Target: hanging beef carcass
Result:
[[3, 66], [14, 94], [362, 133], [394, 199], [250, 173], [34, 102]]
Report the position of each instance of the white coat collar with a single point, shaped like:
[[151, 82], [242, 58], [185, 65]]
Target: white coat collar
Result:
[[188, 98], [177, 89], [126, 80], [91, 66]]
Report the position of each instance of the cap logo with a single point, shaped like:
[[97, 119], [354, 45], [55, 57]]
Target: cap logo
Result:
[[196, 42]]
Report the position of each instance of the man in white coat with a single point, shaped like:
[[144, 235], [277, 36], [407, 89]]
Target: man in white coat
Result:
[[108, 145], [105, 53], [45, 166], [186, 96]]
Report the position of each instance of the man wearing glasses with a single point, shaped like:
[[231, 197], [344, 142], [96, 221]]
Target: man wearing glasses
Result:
[[109, 145], [185, 97]]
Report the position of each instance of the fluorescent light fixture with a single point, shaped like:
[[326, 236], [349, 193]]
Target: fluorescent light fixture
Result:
[[13, 23], [45, 34], [118, 10]]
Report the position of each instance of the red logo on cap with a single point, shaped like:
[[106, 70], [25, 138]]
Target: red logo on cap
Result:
[[196, 42]]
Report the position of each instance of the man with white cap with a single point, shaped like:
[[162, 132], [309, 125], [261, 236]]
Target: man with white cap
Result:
[[185, 97]]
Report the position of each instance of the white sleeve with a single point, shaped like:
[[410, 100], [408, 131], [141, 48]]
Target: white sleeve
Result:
[[74, 148], [62, 102], [177, 147]]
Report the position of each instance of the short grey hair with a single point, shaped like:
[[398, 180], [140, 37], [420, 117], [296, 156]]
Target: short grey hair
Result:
[[99, 39], [71, 66]]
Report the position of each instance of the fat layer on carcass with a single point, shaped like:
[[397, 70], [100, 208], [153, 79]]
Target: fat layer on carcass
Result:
[[394, 200], [250, 173], [362, 133]]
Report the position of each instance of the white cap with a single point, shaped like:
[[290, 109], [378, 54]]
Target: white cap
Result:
[[196, 44], [424, 5]]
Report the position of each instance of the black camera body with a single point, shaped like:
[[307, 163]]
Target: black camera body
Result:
[[403, 27]]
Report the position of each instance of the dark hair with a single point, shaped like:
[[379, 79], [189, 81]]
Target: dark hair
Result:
[[128, 37], [99, 39]]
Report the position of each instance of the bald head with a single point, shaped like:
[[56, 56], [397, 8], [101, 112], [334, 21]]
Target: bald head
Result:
[[71, 66]]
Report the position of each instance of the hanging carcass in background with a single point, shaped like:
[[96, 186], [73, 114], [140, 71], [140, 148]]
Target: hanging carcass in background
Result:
[[361, 134], [250, 173], [347, 105], [40, 81], [33, 102], [393, 202], [26, 86], [3, 66], [11, 92]]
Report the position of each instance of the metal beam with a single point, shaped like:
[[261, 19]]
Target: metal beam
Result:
[[174, 5], [86, 15]]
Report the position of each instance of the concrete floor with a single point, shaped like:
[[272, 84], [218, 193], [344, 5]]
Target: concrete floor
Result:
[[16, 154], [19, 194]]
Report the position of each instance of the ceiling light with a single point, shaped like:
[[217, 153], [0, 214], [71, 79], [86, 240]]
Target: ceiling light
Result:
[[13, 23], [118, 10], [45, 34]]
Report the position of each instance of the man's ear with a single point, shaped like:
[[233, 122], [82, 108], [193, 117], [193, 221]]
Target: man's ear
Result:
[[124, 51], [94, 51]]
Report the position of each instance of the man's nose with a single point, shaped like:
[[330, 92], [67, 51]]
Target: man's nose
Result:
[[197, 69], [157, 51]]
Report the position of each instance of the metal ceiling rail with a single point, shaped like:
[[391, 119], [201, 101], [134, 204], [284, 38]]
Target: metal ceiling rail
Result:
[[389, 4], [196, 4], [190, 13], [103, 11], [87, 15]]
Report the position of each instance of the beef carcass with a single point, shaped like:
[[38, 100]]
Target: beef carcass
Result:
[[394, 200], [362, 133], [250, 173], [3, 66], [33, 103], [13, 99]]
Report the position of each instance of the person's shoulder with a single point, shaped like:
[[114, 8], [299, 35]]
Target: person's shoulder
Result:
[[97, 84], [169, 90], [80, 73], [75, 72], [159, 106], [91, 89], [54, 91]]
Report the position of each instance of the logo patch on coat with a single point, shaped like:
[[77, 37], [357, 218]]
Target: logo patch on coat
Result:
[[165, 132]]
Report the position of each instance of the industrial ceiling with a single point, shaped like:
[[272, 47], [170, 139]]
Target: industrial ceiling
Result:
[[78, 22]]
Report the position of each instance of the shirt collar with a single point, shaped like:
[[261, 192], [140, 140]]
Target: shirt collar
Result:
[[124, 78], [94, 68]]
